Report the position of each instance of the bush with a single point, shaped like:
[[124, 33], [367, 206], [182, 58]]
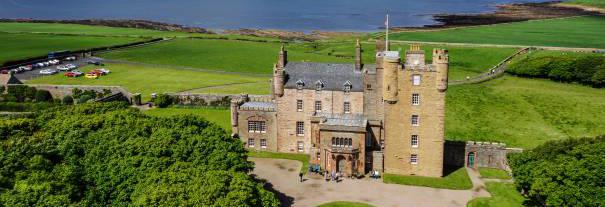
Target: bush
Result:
[[43, 96], [84, 98], [22, 93], [598, 78], [163, 100], [562, 173], [564, 68], [68, 100]]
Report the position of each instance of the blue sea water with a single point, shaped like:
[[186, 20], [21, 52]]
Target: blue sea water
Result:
[[296, 15]]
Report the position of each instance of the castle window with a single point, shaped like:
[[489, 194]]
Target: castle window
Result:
[[415, 99], [317, 106], [257, 127], [347, 87], [347, 107], [369, 86], [333, 141], [301, 146], [414, 159], [300, 128], [368, 139], [415, 120], [319, 85], [299, 105], [318, 156], [250, 142], [416, 80], [415, 141], [300, 84], [263, 143]]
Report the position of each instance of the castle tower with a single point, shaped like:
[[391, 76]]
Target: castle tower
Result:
[[441, 65], [278, 73], [391, 65], [358, 57]]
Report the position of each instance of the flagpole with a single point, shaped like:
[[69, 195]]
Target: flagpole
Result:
[[387, 33]]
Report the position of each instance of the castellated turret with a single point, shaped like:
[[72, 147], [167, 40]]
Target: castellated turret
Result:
[[391, 65], [441, 65], [278, 73]]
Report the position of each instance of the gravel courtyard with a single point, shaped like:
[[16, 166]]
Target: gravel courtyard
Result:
[[282, 176]]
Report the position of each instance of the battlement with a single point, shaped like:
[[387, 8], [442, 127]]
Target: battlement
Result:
[[486, 144]]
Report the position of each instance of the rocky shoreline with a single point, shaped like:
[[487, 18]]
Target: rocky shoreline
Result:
[[140, 24]]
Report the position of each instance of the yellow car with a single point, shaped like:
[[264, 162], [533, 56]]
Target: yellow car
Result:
[[92, 75]]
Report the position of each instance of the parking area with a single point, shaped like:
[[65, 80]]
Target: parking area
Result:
[[35, 73]]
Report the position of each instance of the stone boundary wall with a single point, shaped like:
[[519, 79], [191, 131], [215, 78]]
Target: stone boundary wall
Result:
[[60, 91], [489, 155], [494, 72], [200, 99]]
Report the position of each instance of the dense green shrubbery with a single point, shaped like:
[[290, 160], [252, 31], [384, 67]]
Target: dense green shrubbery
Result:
[[111, 155], [24, 107], [586, 69], [43, 96], [563, 173], [68, 100], [163, 100]]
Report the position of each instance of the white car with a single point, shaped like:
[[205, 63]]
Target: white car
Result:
[[48, 72], [71, 58], [46, 63], [71, 66], [104, 71], [53, 62], [40, 65], [63, 68], [77, 72]]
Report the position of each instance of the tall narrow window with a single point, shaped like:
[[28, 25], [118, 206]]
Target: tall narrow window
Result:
[[415, 99], [300, 128], [250, 142], [301, 146], [414, 159], [415, 120], [251, 126], [347, 107], [299, 105], [263, 143], [317, 106], [415, 141], [416, 80], [368, 139]]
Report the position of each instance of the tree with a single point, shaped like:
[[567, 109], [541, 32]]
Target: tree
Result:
[[562, 173], [598, 78], [68, 100], [163, 100], [43, 96]]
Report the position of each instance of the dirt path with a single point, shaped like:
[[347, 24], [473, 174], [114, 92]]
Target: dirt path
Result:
[[282, 176]]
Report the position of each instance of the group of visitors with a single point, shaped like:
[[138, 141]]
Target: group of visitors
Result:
[[375, 174], [331, 176]]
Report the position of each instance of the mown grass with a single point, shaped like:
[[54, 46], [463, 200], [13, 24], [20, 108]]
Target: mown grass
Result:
[[457, 180], [147, 80], [344, 204], [591, 3], [583, 31], [523, 112], [20, 46], [492, 173], [303, 158], [256, 57], [218, 116], [258, 88], [503, 195]]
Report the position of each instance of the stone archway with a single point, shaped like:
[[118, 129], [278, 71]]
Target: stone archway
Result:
[[471, 159], [341, 163]]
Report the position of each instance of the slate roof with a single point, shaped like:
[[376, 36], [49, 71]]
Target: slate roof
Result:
[[265, 106], [332, 75], [352, 120]]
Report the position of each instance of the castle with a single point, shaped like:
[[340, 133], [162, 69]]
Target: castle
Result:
[[353, 118]]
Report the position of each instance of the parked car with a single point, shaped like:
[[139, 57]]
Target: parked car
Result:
[[77, 72], [4, 72], [92, 75], [102, 71], [92, 62], [54, 62], [73, 74], [48, 72], [71, 66], [63, 68], [16, 70], [26, 68], [70, 58]]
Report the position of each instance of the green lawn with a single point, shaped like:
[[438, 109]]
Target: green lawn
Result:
[[255, 57], [523, 112], [493, 173], [568, 32], [20, 46], [147, 80], [344, 204], [303, 158], [457, 180], [220, 117], [503, 195], [259, 88], [591, 3]]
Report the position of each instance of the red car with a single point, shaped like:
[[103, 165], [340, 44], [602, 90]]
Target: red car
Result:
[[73, 74], [4, 72]]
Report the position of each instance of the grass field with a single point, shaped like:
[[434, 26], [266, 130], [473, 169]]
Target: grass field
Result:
[[303, 158], [591, 3], [503, 195], [19, 46], [220, 117], [523, 112], [255, 57], [568, 32], [493, 173], [147, 80], [344, 204], [457, 180]]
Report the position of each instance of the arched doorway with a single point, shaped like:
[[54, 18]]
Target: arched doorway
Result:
[[470, 161], [340, 164]]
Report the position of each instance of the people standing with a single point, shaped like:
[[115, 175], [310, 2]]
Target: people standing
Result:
[[300, 174]]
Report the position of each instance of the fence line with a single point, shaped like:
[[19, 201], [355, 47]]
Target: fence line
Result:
[[492, 73]]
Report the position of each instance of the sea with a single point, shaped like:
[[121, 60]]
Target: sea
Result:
[[292, 15]]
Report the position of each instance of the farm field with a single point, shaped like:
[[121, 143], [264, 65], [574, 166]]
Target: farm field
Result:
[[591, 3], [147, 80], [256, 57], [565, 32], [19, 46]]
